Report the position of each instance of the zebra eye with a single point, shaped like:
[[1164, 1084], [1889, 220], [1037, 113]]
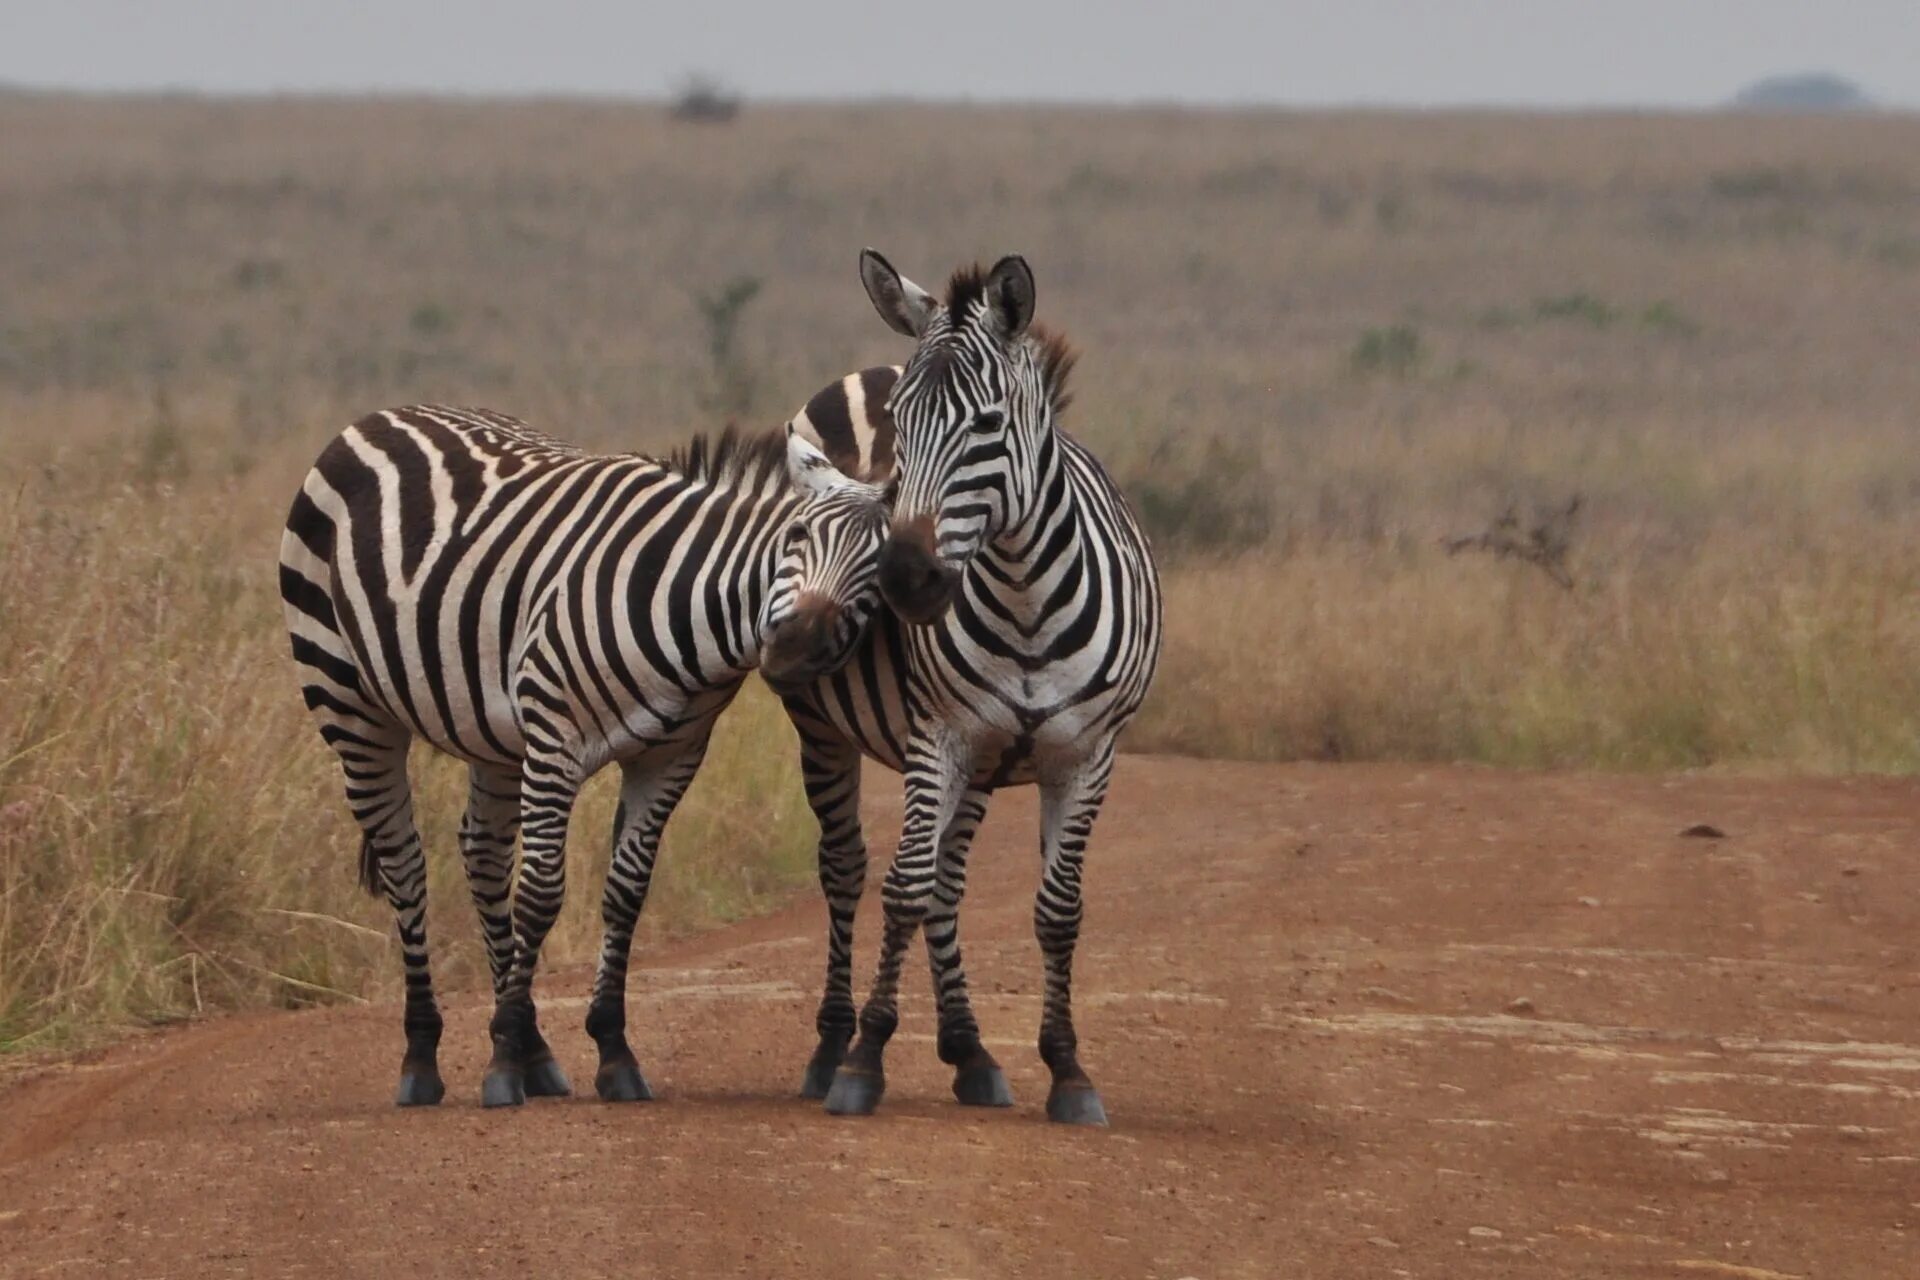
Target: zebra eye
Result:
[[796, 534], [985, 423]]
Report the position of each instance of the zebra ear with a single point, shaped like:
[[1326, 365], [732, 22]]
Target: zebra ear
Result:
[[810, 470], [1010, 295], [904, 305]]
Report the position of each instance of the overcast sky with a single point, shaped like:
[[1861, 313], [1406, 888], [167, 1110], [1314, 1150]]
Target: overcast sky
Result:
[[1556, 53]]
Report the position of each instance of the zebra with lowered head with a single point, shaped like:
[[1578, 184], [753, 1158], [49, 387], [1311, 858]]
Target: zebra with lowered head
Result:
[[1023, 632], [540, 612]]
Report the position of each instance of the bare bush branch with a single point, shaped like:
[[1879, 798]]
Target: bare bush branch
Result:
[[1544, 542]]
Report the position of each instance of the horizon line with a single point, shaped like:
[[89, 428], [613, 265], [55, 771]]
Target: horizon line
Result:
[[511, 96]]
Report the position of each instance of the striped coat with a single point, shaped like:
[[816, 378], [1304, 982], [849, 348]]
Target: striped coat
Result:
[[539, 612], [1022, 636]]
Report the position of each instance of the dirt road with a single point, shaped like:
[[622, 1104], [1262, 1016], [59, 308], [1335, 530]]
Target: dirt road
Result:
[[1349, 1021]]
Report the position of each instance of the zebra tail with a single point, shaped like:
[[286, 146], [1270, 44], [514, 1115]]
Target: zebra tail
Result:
[[369, 867]]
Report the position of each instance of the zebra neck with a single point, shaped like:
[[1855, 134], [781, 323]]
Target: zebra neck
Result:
[[758, 561], [705, 584], [1020, 568]]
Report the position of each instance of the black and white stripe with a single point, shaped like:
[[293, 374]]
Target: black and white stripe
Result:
[[850, 423], [1022, 635], [455, 576]]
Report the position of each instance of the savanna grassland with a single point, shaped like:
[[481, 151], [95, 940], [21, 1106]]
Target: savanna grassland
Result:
[[1318, 347]]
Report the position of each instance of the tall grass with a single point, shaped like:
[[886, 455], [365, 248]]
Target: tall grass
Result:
[[172, 832], [1727, 657]]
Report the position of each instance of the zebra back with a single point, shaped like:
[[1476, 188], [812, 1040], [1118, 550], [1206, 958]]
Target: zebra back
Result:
[[848, 421]]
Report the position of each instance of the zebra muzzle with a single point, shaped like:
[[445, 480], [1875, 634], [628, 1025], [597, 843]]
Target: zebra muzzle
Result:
[[801, 649], [916, 583]]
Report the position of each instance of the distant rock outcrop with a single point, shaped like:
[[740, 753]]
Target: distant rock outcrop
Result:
[[1814, 91]]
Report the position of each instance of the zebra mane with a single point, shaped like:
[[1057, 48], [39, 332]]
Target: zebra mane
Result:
[[1057, 358], [964, 288], [1056, 355], [734, 459]]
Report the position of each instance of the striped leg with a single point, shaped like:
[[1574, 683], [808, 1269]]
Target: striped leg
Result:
[[487, 835], [831, 771], [374, 758], [648, 793], [372, 750], [935, 787], [550, 782], [1067, 809], [977, 1080]]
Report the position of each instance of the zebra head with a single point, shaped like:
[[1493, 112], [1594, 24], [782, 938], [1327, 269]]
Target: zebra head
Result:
[[973, 424], [826, 574]]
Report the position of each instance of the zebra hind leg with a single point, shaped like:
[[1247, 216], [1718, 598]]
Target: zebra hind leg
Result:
[[374, 759], [648, 796], [487, 835], [831, 771], [978, 1080], [522, 1064]]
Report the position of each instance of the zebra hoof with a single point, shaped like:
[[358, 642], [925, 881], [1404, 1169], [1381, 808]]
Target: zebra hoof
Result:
[[855, 1093], [545, 1079], [984, 1085], [419, 1087], [826, 1060], [503, 1087], [621, 1082], [1076, 1104]]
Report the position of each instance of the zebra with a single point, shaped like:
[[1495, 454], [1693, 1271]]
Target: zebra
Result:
[[1022, 634], [540, 612]]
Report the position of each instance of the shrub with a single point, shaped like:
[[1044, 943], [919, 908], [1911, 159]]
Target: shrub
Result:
[[1221, 501], [1391, 349], [703, 99], [1665, 317], [732, 383], [1575, 306], [1757, 182], [430, 320]]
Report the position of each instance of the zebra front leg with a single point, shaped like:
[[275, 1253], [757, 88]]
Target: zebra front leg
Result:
[[1068, 807], [648, 794], [934, 789], [522, 1064], [978, 1080], [831, 770]]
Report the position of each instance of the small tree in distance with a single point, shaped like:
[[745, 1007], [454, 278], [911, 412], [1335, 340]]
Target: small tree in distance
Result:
[[732, 381], [703, 99]]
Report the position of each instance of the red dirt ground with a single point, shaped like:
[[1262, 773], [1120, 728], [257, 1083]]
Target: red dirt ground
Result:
[[1297, 989]]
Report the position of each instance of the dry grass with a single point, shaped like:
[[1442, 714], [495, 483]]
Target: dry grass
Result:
[[172, 836], [1317, 345], [1660, 663]]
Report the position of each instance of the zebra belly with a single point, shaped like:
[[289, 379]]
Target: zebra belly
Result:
[[1009, 744], [1005, 744]]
